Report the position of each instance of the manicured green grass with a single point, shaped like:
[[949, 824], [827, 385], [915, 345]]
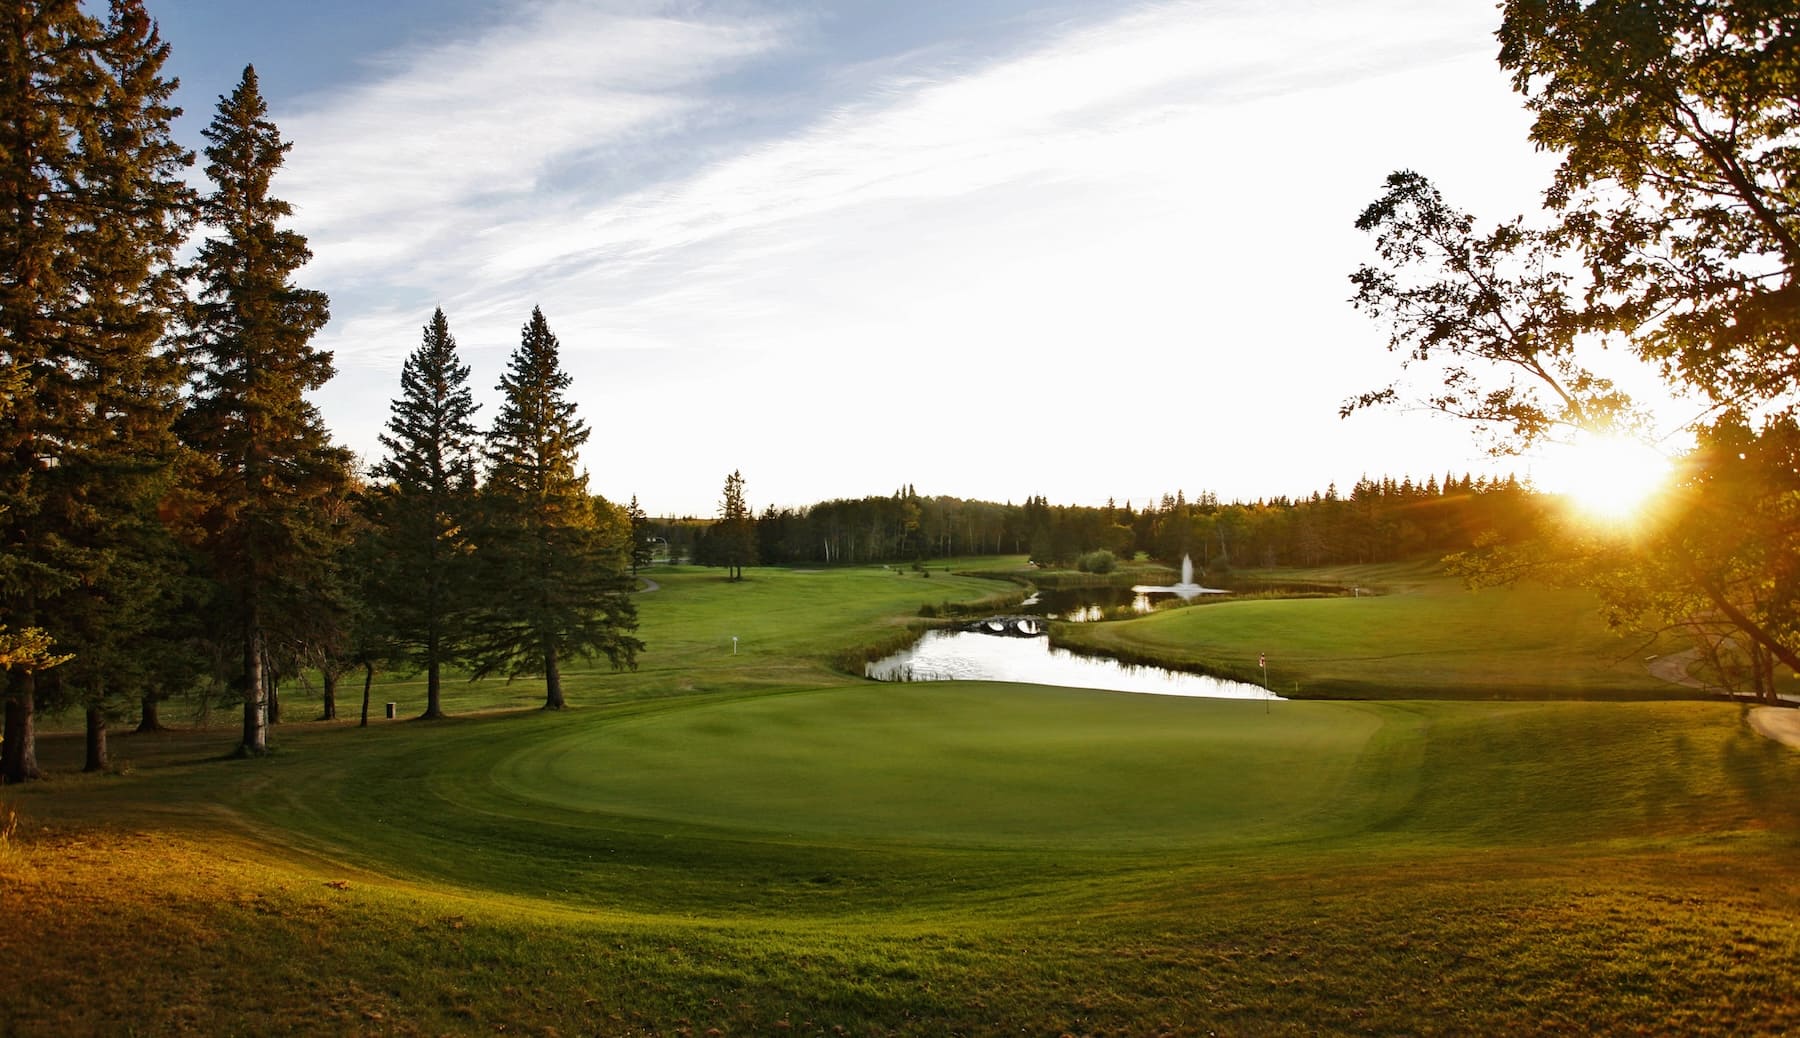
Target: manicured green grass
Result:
[[791, 625], [1418, 634], [964, 765], [755, 844]]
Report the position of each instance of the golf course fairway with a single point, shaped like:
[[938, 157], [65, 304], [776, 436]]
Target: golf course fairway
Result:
[[754, 844]]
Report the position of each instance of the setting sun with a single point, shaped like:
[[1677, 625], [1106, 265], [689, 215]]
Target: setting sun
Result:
[[1609, 477]]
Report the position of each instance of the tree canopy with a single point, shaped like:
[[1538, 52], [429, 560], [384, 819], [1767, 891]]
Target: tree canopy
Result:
[[1671, 229], [1679, 180]]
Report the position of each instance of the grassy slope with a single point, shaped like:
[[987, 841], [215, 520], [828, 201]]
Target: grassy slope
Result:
[[1424, 635], [787, 622], [751, 845]]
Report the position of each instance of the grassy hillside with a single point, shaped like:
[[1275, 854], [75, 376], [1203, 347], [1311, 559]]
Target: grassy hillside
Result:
[[790, 625], [752, 845], [1417, 633]]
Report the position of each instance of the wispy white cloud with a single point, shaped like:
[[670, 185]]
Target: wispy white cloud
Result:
[[1163, 196], [424, 162]]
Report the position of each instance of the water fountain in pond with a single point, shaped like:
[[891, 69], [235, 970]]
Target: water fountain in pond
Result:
[[1187, 590]]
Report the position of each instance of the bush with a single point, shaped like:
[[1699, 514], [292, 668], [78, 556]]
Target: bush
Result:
[[1101, 561]]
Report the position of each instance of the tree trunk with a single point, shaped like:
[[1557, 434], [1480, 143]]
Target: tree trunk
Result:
[[368, 680], [434, 707], [329, 677], [272, 697], [1763, 663], [256, 721], [149, 721], [553, 693], [96, 739], [18, 753]]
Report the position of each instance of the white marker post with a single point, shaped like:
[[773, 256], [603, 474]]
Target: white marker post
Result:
[[734, 645]]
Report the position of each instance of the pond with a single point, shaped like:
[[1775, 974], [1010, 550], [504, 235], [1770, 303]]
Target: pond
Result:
[[975, 656], [1089, 604]]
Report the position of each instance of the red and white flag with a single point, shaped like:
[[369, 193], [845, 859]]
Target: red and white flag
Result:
[[1262, 659]]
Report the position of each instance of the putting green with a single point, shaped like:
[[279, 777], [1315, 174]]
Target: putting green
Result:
[[968, 764]]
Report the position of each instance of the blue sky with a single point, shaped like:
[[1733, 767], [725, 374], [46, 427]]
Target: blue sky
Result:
[[990, 248]]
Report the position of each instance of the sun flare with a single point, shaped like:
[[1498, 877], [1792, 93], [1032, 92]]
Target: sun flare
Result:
[[1608, 477]]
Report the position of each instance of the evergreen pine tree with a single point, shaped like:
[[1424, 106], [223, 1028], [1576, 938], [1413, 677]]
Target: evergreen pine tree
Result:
[[272, 492], [553, 558], [733, 540], [423, 513], [96, 209], [641, 552]]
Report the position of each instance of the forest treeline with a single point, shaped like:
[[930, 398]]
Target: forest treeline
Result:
[[1378, 520]]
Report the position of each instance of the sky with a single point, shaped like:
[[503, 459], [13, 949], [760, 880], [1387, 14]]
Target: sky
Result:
[[989, 248]]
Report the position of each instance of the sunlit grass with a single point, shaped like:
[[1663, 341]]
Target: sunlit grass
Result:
[[754, 844], [1417, 633]]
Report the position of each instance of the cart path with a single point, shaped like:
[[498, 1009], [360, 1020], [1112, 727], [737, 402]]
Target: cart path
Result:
[[1673, 668], [1771, 722], [1778, 723]]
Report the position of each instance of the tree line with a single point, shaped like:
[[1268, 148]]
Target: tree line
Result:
[[173, 511], [1379, 520]]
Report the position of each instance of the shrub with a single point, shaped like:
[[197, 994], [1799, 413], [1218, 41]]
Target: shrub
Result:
[[1101, 561]]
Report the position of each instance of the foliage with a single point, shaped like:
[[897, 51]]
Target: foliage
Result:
[[424, 511], [1717, 561], [96, 208], [642, 551], [731, 542], [1491, 311], [1101, 561], [1381, 520], [271, 497], [29, 649], [553, 560], [1676, 230], [1679, 181]]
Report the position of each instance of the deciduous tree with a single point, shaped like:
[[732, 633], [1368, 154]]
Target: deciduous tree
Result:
[[1672, 227], [1679, 181]]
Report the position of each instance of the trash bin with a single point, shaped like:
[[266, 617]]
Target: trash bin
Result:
[[393, 710]]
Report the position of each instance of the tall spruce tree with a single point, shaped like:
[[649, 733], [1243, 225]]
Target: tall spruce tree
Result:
[[274, 481], [96, 208], [424, 511], [733, 539], [641, 552], [553, 558]]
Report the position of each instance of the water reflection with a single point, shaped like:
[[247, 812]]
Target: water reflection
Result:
[[971, 656], [1091, 604]]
